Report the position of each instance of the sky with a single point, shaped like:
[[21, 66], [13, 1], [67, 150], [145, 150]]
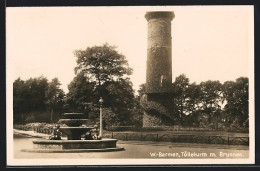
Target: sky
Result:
[[208, 42]]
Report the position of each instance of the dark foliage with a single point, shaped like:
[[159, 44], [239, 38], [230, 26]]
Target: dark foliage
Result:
[[36, 100]]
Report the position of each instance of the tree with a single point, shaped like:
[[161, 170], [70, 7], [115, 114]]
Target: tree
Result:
[[236, 97], [102, 63], [119, 96], [37, 88], [29, 98], [193, 101], [102, 72], [54, 96], [192, 106], [210, 98], [81, 91], [20, 93], [180, 87]]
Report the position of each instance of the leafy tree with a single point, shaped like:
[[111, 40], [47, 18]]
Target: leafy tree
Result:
[[180, 87], [20, 93], [102, 64], [102, 72], [81, 91], [136, 117], [37, 88], [210, 98], [192, 105], [29, 98], [193, 101], [119, 96], [55, 97], [236, 97]]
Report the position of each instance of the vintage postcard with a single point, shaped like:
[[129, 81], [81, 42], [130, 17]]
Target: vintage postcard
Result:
[[146, 85]]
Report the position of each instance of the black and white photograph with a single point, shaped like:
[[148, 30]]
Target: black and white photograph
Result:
[[130, 85]]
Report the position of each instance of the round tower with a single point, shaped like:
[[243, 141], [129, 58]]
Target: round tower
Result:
[[157, 101], [159, 52]]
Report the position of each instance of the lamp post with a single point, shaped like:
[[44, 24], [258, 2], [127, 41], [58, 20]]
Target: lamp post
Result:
[[101, 103]]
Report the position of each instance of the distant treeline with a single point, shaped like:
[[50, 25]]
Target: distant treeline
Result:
[[103, 72], [210, 103], [40, 100], [37, 99]]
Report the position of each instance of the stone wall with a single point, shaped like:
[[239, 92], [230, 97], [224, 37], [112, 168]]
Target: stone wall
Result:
[[150, 120]]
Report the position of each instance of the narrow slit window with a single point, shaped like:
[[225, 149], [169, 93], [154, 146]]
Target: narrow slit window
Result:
[[162, 80]]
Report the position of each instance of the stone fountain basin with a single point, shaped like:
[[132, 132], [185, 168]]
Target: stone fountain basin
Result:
[[73, 115], [70, 146], [74, 133], [74, 144], [73, 122]]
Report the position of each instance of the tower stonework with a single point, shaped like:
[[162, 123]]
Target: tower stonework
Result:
[[158, 99]]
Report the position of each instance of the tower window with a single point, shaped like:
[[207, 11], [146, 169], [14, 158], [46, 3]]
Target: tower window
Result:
[[162, 80]]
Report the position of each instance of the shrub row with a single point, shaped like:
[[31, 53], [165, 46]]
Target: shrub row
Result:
[[173, 128]]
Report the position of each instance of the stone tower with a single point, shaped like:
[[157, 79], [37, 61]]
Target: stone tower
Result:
[[157, 101]]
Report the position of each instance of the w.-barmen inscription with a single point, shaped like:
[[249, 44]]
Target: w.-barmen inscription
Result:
[[188, 154]]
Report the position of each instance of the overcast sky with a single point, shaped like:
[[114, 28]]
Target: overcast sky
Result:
[[209, 42]]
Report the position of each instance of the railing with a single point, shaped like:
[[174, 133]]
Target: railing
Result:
[[170, 128], [43, 130], [185, 138], [160, 137]]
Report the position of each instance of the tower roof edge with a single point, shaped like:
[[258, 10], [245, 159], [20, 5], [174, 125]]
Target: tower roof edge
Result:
[[159, 14]]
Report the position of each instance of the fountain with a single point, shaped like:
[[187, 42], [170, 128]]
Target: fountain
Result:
[[74, 129], [74, 121]]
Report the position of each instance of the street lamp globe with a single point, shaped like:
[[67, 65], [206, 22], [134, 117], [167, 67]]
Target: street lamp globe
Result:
[[101, 101]]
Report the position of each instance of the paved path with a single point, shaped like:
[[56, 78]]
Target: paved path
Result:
[[31, 134]]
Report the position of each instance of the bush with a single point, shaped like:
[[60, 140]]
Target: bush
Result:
[[29, 118], [32, 126], [157, 128]]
